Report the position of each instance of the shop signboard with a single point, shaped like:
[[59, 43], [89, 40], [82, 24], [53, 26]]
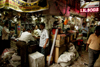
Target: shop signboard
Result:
[[23, 6], [89, 6]]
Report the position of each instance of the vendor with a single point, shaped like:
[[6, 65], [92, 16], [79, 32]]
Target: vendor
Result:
[[22, 46]]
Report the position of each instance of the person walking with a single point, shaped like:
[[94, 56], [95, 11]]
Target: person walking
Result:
[[94, 47]]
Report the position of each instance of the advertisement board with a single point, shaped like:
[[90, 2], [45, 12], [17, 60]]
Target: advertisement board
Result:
[[89, 6], [23, 6]]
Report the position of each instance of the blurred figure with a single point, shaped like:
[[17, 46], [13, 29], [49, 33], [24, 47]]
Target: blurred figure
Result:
[[84, 30], [1, 27], [94, 47], [22, 46], [38, 30], [5, 36], [33, 28], [23, 30], [91, 30], [12, 31]]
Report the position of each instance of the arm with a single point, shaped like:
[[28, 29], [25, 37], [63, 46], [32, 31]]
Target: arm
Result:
[[36, 37], [46, 43], [4, 30], [31, 37], [88, 42], [47, 39], [87, 47]]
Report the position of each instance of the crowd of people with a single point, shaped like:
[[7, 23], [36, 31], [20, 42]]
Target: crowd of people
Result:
[[41, 35]]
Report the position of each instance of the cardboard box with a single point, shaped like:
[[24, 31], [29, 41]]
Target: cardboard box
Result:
[[60, 42], [59, 36], [36, 60]]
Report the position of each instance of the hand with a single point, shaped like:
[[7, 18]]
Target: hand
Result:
[[87, 49], [44, 46]]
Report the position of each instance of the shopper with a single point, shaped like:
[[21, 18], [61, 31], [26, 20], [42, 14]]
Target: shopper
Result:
[[84, 30], [5, 36], [94, 47], [23, 47], [44, 40]]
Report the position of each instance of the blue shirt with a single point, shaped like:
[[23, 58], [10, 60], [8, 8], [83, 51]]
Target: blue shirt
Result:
[[86, 28]]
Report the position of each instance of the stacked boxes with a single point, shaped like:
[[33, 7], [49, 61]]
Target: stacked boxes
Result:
[[60, 40], [60, 46]]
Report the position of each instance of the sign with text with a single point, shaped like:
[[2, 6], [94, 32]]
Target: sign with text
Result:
[[84, 4], [22, 6], [89, 6], [89, 9]]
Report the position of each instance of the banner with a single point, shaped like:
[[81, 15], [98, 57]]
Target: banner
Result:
[[2, 3], [22, 6]]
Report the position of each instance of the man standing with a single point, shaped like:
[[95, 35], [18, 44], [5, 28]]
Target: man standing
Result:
[[94, 47], [44, 40], [22, 46], [5, 36]]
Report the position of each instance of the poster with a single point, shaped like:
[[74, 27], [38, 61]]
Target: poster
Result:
[[22, 6]]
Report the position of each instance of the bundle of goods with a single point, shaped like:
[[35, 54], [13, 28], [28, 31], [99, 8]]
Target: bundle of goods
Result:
[[68, 57]]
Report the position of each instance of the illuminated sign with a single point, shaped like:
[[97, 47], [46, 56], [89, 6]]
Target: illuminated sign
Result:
[[93, 4], [89, 9]]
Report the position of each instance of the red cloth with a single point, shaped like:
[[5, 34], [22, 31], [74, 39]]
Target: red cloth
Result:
[[53, 31], [80, 42]]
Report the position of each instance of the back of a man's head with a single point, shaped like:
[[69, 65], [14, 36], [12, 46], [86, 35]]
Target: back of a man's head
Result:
[[97, 30], [29, 30]]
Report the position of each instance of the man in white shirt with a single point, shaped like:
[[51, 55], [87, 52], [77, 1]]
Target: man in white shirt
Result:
[[44, 40], [22, 46]]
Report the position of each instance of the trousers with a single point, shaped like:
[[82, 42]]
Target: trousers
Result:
[[93, 56], [23, 52]]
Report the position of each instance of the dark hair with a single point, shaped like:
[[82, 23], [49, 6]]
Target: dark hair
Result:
[[55, 23], [43, 24], [97, 28], [28, 29], [12, 27], [83, 23]]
